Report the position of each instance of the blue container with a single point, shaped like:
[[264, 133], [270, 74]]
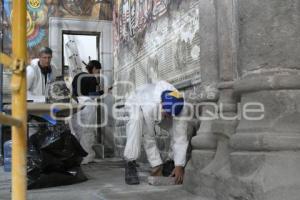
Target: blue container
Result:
[[7, 156]]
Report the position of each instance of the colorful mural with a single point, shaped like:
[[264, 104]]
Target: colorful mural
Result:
[[78, 7], [39, 11], [35, 20], [1, 27]]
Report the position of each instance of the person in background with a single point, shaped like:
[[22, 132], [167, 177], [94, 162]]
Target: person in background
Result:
[[39, 73], [85, 86], [86, 83], [154, 104]]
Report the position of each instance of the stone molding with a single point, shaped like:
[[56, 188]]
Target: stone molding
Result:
[[267, 82]]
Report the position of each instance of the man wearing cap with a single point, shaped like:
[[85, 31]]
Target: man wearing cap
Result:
[[156, 104]]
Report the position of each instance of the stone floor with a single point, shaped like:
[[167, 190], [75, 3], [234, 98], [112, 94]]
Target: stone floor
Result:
[[106, 182]]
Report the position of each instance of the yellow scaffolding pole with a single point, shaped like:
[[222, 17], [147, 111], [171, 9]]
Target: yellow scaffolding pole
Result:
[[8, 120], [19, 107], [18, 120]]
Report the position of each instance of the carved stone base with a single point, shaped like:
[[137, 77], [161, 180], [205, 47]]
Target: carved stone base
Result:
[[205, 139], [265, 175], [193, 180], [252, 176], [279, 129]]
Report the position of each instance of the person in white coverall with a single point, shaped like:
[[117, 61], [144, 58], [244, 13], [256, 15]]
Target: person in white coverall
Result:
[[158, 103], [83, 123], [39, 73]]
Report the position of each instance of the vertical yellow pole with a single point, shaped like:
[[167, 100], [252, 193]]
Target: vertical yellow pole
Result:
[[19, 107]]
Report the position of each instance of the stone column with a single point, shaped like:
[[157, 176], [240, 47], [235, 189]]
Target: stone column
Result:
[[266, 157], [222, 128], [204, 143]]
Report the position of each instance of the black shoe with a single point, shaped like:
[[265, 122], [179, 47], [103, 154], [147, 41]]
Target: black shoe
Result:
[[168, 168], [131, 175]]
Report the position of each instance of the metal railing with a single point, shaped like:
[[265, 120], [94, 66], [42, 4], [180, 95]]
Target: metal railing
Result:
[[17, 64]]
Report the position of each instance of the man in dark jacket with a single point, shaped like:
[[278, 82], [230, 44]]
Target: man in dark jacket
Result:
[[85, 84]]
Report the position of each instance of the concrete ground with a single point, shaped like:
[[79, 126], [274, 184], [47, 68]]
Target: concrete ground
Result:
[[106, 182]]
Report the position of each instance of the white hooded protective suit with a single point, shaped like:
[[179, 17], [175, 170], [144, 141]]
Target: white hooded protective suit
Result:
[[36, 85], [83, 126], [35, 79], [144, 109]]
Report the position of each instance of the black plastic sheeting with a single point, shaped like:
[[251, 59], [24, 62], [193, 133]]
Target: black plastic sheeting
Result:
[[54, 159]]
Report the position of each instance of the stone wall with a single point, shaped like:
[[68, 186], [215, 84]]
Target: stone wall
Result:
[[155, 40], [251, 156]]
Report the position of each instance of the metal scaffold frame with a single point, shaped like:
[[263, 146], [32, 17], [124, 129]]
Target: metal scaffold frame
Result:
[[17, 64]]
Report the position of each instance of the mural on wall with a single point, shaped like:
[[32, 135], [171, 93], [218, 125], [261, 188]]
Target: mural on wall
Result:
[[126, 82], [35, 20], [159, 8], [181, 55], [78, 7], [159, 39], [132, 17], [39, 11], [152, 69], [1, 27]]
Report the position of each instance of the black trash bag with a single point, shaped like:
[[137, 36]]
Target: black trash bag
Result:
[[34, 162], [54, 159], [65, 147], [52, 179]]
